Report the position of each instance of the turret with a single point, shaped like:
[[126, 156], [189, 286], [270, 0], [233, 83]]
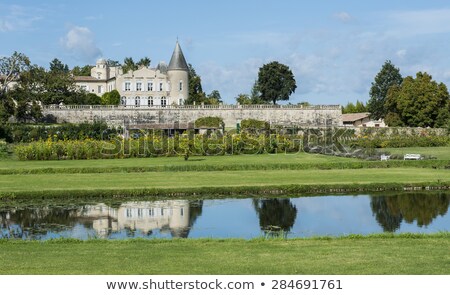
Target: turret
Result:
[[178, 72], [100, 71]]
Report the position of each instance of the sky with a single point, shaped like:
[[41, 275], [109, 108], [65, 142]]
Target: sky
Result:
[[335, 48]]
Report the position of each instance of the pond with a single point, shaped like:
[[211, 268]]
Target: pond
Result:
[[423, 212]]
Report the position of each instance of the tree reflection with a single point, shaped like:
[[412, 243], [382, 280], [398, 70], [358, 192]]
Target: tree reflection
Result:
[[134, 219], [30, 222], [422, 208], [276, 216]]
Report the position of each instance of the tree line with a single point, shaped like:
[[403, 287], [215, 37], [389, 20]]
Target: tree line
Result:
[[411, 101]]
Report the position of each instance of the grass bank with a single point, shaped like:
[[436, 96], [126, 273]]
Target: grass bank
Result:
[[298, 161], [220, 182], [376, 254]]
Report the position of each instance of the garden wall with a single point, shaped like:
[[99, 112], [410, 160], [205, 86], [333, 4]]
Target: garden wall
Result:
[[315, 116]]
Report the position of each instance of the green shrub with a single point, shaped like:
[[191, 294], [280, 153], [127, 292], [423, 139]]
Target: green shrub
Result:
[[16, 133], [3, 149], [253, 124], [211, 122]]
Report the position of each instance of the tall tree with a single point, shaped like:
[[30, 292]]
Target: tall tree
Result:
[[145, 61], [214, 98], [196, 94], [388, 76], [82, 71], [59, 85], [418, 102], [243, 99], [129, 65], [275, 82], [255, 94], [57, 67], [11, 68], [359, 107]]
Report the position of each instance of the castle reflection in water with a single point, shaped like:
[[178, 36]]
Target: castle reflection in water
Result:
[[146, 217], [174, 217]]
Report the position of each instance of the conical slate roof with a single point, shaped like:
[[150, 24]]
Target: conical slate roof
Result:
[[178, 62]]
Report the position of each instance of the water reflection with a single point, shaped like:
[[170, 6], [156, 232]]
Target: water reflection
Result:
[[421, 208], [227, 218], [276, 216], [134, 219]]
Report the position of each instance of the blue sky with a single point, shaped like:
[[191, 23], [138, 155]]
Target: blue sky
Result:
[[335, 48]]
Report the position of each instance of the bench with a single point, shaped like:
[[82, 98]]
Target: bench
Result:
[[412, 157]]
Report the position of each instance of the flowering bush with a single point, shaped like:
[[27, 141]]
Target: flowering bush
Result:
[[157, 145]]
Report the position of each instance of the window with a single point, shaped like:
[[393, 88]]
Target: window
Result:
[[127, 86], [100, 89], [180, 101], [99, 75], [150, 101], [163, 101], [140, 213], [84, 88], [129, 214], [150, 86], [162, 211], [124, 100], [182, 212], [138, 86], [161, 86], [181, 86], [137, 101]]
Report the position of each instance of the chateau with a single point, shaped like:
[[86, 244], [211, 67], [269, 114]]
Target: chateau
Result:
[[145, 87], [155, 98]]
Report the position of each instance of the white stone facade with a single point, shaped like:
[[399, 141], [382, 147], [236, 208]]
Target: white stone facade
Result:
[[146, 87]]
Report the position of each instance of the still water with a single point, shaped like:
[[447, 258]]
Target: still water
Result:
[[232, 218]]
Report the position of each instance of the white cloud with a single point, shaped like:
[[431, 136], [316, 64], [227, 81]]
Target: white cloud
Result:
[[6, 26], [409, 23], [343, 17], [80, 42], [401, 53], [94, 17], [19, 18], [337, 64]]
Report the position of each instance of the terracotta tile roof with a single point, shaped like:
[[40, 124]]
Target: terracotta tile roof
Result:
[[354, 117]]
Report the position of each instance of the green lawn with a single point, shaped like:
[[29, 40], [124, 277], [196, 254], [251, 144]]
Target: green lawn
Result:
[[404, 254], [441, 153], [178, 161], [192, 179]]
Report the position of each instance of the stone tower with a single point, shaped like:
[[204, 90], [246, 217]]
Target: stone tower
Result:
[[178, 76], [100, 71]]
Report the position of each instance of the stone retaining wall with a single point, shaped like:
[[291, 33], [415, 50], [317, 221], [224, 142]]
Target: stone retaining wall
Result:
[[315, 116]]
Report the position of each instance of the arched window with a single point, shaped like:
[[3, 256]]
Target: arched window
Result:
[[150, 101], [137, 101], [163, 101]]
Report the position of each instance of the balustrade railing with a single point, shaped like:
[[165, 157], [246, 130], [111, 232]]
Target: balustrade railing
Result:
[[190, 107]]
